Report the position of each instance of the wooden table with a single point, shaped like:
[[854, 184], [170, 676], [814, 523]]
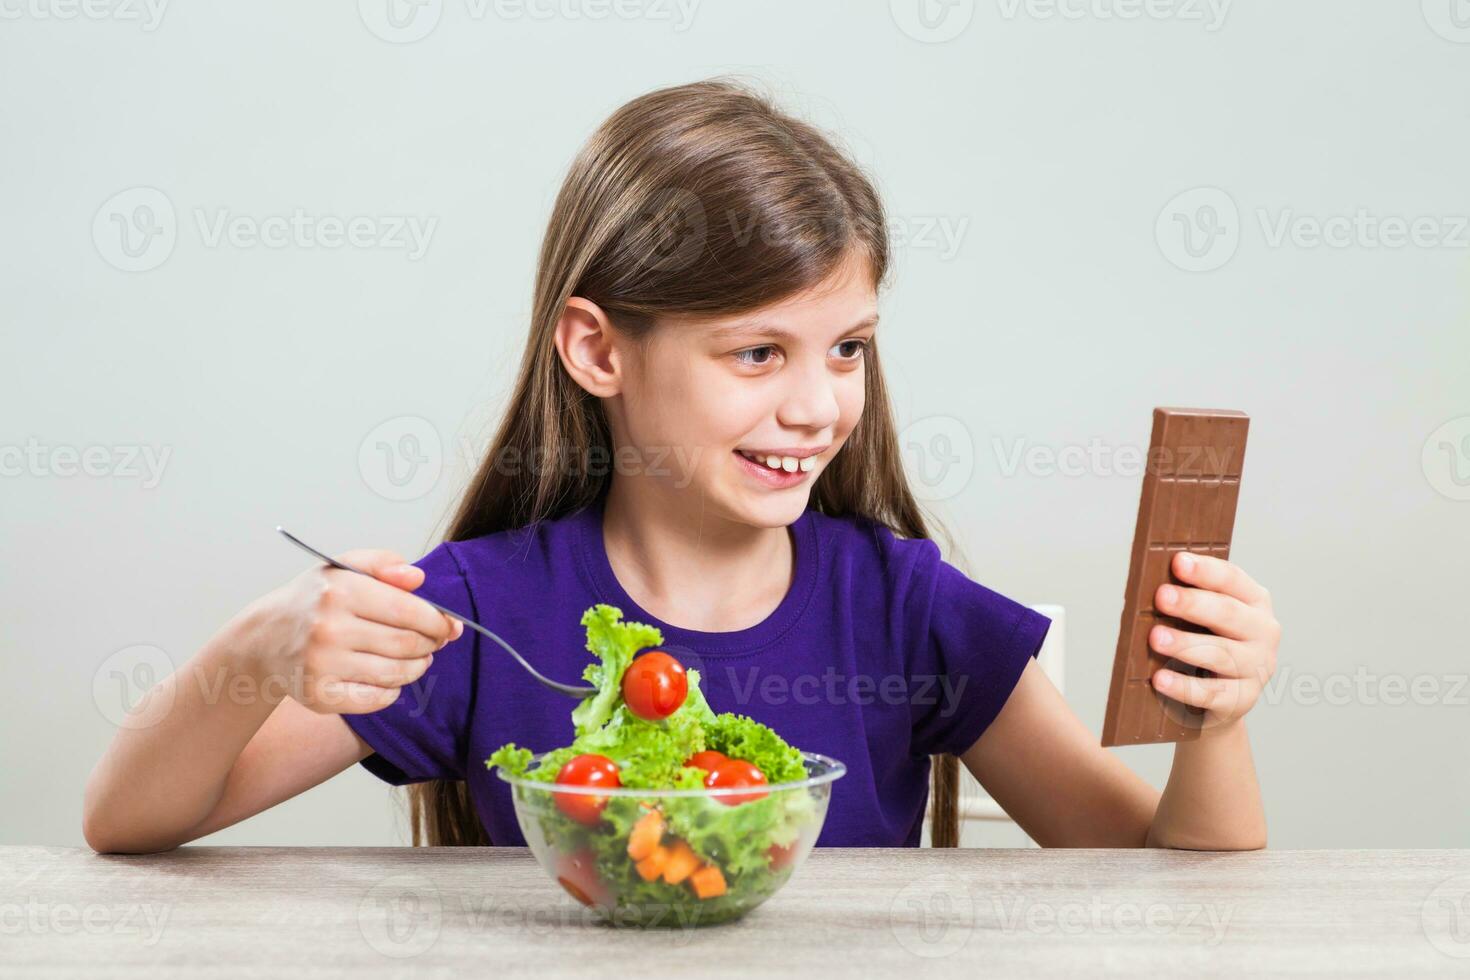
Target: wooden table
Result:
[[492, 912]]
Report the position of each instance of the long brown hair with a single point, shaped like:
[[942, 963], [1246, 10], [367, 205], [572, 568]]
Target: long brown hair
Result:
[[698, 200]]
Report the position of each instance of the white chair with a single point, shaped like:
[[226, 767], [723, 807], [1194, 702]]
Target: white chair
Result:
[[976, 806]]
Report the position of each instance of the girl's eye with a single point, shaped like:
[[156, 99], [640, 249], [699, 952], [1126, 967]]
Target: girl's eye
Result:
[[761, 356], [754, 361]]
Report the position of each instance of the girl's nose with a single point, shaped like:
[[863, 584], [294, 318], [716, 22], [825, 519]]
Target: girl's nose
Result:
[[809, 401]]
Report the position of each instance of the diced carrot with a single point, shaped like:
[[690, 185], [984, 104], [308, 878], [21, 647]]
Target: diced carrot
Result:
[[645, 835], [681, 864], [708, 882], [653, 865]]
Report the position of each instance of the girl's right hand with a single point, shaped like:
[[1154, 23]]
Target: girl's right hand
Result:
[[343, 643]]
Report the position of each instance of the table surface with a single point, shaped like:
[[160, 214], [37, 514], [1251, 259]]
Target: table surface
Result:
[[268, 911]]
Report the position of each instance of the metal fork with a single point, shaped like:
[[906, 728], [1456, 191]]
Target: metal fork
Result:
[[568, 689]]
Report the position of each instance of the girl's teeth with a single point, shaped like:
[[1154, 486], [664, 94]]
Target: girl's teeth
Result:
[[788, 463]]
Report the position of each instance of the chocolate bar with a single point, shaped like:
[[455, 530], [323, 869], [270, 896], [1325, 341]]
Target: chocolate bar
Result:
[[1190, 487]]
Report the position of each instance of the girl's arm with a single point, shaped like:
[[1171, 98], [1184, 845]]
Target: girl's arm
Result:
[[1042, 765], [251, 720]]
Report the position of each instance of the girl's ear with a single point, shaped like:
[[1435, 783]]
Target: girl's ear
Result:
[[585, 342]]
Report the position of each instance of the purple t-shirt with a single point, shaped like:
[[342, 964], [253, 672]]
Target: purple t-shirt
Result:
[[880, 654]]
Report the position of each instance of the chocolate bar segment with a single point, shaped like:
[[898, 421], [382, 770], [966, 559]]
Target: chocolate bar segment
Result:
[[1190, 487]]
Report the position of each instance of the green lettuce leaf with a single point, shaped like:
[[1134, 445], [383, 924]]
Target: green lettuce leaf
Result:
[[614, 643]]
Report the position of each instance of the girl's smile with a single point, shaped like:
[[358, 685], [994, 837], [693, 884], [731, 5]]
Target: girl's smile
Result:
[[780, 469]]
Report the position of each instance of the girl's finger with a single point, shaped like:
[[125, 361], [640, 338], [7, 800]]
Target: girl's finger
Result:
[[385, 672], [1217, 655], [1219, 575], [387, 641], [1222, 614], [382, 603], [345, 697], [1218, 694]]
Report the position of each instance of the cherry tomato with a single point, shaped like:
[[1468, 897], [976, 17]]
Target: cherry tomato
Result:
[[654, 685], [734, 774], [781, 856], [577, 873], [585, 770], [708, 760]]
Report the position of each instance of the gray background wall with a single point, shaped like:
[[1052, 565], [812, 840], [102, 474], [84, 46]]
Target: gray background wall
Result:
[[1041, 165]]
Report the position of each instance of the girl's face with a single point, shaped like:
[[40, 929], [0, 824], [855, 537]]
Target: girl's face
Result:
[[726, 398]]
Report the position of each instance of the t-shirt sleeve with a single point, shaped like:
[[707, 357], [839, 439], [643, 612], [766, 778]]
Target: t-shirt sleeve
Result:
[[423, 734], [974, 643]]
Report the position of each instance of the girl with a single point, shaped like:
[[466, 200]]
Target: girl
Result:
[[699, 435]]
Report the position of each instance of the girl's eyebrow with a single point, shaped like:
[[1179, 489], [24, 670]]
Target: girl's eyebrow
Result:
[[779, 332]]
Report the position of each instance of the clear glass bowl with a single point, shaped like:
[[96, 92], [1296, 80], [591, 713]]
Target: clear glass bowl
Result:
[[582, 836]]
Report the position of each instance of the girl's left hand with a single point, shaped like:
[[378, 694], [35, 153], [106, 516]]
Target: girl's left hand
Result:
[[1242, 654]]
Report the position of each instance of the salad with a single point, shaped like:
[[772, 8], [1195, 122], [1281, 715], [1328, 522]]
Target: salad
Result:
[[648, 727]]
